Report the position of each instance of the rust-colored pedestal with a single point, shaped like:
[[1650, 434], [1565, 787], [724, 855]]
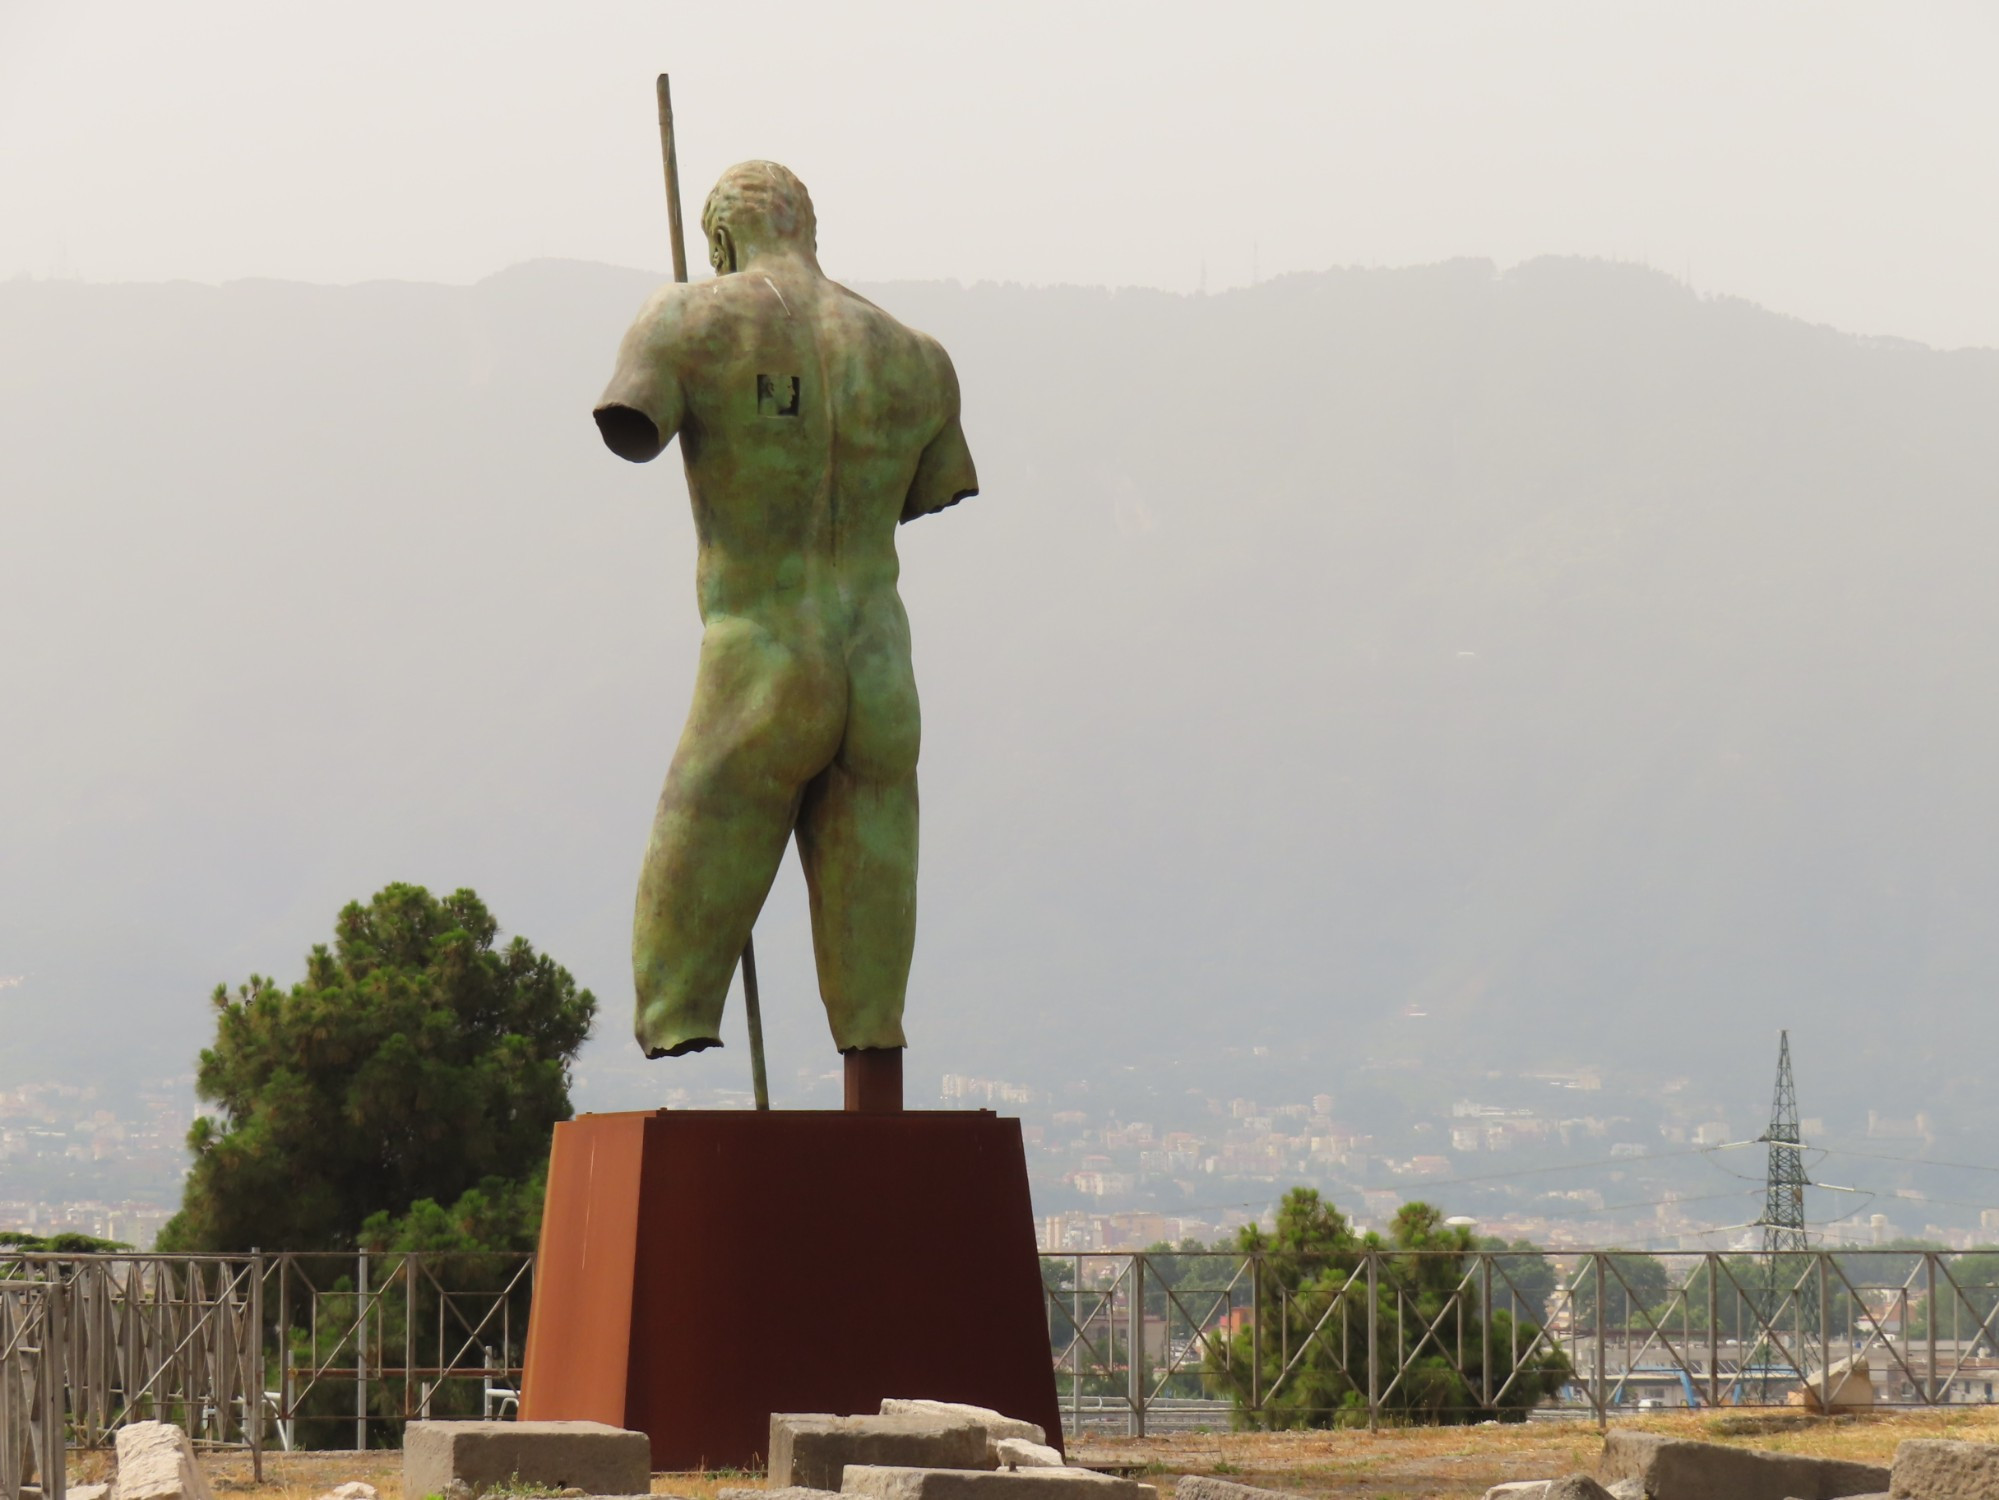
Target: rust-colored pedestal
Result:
[[701, 1269]]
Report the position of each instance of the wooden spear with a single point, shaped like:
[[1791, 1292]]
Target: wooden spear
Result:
[[751, 1006]]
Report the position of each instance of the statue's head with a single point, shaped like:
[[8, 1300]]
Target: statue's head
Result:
[[756, 208]]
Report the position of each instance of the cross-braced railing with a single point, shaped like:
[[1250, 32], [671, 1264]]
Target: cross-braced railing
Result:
[[31, 1410], [241, 1349], [1276, 1339], [340, 1350], [376, 1340]]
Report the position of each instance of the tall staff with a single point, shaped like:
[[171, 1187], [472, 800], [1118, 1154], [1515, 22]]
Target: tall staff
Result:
[[672, 180], [751, 1007]]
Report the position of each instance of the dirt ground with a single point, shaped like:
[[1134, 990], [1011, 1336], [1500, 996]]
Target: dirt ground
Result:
[[1430, 1463]]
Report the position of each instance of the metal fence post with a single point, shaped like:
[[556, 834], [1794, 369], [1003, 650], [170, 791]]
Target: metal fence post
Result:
[[1930, 1306], [1713, 1330], [361, 1351], [253, 1414], [1076, 1351], [1825, 1332], [411, 1269], [1602, 1307], [55, 1381], [1135, 1349], [1485, 1330], [1256, 1332], [284, 1332], [1373, 1363]]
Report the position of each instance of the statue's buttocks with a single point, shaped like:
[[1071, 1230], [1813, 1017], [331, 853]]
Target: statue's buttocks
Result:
[[811, 424]]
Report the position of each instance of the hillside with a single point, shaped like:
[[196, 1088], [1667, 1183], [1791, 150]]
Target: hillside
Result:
[[1429, 669]]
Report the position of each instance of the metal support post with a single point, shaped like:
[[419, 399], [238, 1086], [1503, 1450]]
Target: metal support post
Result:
[[361, 1351], [1135, 1350], [284, 1330], [1930, 1306], [1602, 1307], [253, 1415], [1825, 1332], [1373, 1336], [1713, 1331], [55, 1347], [1256, 1333], [1485, 1335], [1076, 1351], [411, 1277]]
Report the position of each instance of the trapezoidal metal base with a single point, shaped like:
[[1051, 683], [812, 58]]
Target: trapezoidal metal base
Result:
[[701, 1269]]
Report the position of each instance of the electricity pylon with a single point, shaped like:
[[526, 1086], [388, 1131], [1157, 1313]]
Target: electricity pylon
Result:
[[1784, 1183]]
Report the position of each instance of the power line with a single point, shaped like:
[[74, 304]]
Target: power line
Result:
[[1912, 1161]]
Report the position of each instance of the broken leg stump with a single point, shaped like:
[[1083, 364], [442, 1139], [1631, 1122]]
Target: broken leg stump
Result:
[[702, 1269]]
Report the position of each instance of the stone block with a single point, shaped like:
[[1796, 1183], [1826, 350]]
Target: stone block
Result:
[[787, 1492], [812, 1450], [1020, 1453], [354, 1489], [886, 1482], [156, 1462], [1673, 1469], [997, 1424], [1625, 1489], [1939, 1469], [1520, 1489], [1206, 1487], [589, 1456], [1575, 1487], [88, 1492]]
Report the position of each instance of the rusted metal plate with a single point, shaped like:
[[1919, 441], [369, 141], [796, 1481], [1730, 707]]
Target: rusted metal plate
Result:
[[585, 1271], [791, 1260]]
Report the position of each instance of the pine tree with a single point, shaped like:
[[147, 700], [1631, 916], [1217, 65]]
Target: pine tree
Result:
[[416, 1060]]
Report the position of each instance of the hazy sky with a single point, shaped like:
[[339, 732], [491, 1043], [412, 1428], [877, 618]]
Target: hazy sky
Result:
[[1830, 160]]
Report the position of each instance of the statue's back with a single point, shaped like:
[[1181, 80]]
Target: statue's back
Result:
[[808, 409]]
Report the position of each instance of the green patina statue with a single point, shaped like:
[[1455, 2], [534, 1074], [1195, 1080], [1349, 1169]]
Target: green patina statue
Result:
[[811, 424]]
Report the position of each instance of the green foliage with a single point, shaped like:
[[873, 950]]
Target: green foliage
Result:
[[1312, 1304], [1523, 1279], [58, 1244], [498, 1219], [415, 1065], [1967, 1294], [1634, 1285], [1191, 1285], [1753, 1293]]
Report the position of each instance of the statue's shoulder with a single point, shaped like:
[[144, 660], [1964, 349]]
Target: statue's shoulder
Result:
[[682, 306], [915, 343], [692, 328]]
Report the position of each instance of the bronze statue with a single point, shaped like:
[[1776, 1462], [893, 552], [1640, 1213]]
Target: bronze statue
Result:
[[811, 425]]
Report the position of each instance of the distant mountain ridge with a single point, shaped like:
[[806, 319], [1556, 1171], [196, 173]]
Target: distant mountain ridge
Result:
[[1596, 668]]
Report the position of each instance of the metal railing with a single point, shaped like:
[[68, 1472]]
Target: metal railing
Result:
[[1190, 1339], [243, 1350], [324, 1349], [31, 1393]]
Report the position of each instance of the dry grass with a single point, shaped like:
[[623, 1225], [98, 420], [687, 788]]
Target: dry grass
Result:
[[1459, 1463], [1422, 1463], [306, 1476]]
